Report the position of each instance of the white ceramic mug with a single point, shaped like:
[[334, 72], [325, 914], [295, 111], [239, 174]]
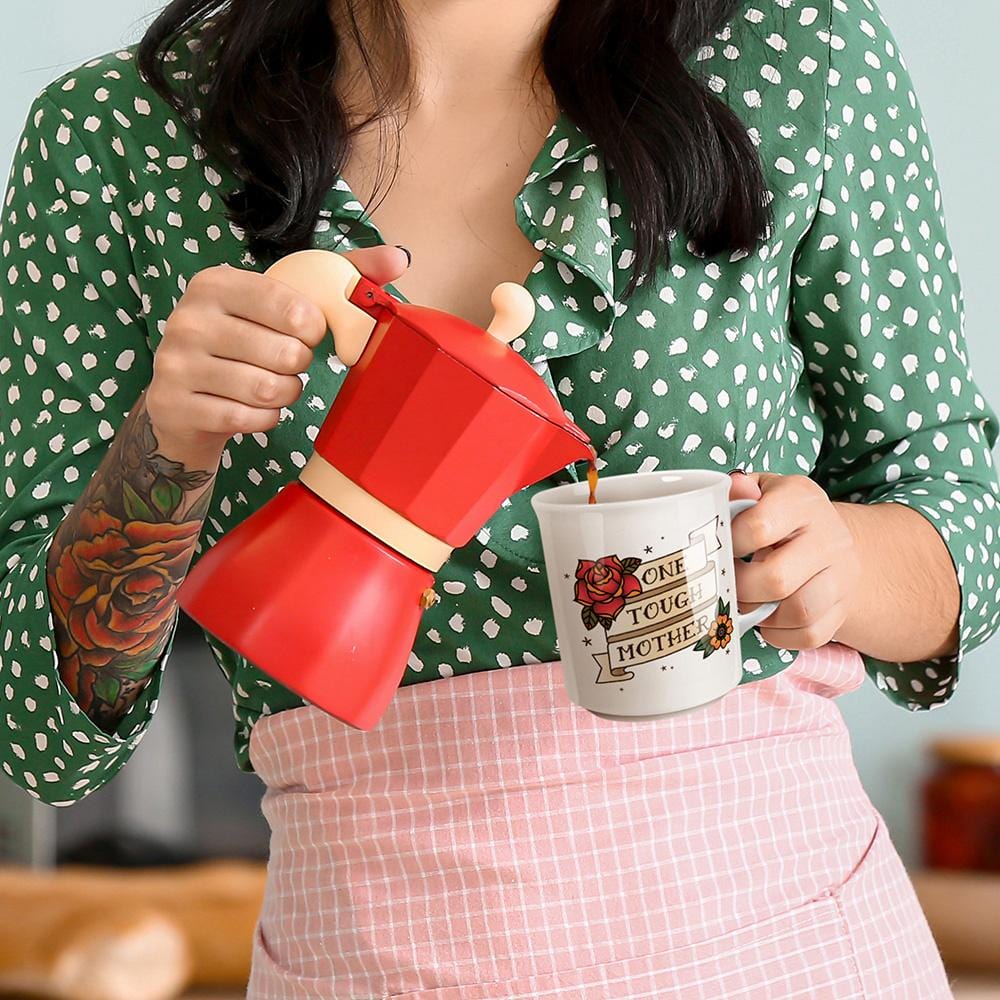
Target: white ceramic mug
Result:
[[643, 591]]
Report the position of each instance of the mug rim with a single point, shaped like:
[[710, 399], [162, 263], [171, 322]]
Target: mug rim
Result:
[[546, 499]]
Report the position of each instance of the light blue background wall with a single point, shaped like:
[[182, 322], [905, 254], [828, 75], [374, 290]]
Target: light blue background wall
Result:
[[950, 49]]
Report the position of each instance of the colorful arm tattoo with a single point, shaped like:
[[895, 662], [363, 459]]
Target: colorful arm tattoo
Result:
[[114, 565]]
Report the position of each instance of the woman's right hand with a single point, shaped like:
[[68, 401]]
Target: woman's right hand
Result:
[[233, 348]]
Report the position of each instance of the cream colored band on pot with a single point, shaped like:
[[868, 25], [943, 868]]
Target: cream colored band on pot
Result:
[[357, 504]]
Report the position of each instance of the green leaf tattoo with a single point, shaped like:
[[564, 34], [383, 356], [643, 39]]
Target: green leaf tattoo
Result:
[[166, 495], [107, 687], [135, 506]]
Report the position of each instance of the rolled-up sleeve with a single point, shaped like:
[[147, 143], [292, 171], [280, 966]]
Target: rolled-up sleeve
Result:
[[877, 308], [73, 360]]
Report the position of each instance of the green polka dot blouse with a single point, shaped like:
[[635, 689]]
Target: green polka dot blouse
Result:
[[836, 350]]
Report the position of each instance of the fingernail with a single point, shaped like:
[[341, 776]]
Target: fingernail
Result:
[[739, 469], [409, 256]]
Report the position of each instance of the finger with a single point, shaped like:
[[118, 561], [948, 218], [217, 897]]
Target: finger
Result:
[[219, 415], [245, 383], [743, 605], [380, 264], [780, 572], [812, 636], [260, 298], [808, 604], [243, 340], [743, 486], [781, 512]]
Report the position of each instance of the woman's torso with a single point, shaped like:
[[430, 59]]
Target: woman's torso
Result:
[[699, 369]]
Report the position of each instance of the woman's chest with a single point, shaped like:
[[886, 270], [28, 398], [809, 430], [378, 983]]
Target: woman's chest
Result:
[[451, 204]]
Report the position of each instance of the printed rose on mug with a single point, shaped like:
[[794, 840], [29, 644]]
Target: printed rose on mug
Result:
[[602, 587]]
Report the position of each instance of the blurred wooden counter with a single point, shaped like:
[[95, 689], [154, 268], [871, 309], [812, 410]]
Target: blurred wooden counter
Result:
[[66, 930], [963, 910], [972, 986]]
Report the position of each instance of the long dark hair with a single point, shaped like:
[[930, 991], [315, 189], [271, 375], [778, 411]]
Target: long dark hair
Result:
[[260, 97]]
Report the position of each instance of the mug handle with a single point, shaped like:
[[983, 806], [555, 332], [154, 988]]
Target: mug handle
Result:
[[746, 622]]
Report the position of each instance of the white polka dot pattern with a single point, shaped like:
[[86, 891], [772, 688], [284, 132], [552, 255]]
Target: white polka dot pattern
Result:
[[835, 351], [73, 359]]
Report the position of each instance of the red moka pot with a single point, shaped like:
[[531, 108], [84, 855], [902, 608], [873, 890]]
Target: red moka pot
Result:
[[435, 425]]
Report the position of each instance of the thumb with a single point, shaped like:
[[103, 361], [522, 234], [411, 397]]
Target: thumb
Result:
[[380, 264]]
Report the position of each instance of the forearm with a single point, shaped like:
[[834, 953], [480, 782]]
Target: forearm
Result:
[[906, 605], [117, 559]]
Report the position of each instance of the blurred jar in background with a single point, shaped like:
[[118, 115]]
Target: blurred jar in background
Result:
[[961, 804]]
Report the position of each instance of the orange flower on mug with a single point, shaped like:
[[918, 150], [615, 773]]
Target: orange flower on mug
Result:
[[602, 586], [719, 633]]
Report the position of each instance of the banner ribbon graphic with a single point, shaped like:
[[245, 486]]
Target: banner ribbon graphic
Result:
[[672, 612]]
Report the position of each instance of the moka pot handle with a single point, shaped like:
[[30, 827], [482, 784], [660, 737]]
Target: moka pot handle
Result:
[[329, 279]]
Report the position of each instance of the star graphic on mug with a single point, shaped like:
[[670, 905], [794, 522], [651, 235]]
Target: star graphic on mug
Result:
[[648, 549], [587, 640]]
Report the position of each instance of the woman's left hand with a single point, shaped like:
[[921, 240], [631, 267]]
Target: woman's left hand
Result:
[[804, 556]]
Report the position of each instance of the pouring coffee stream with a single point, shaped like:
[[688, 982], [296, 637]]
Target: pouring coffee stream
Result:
[[436, 423], [592, 477]]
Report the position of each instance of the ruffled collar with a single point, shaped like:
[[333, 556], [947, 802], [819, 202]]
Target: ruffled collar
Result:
[[563, 208]]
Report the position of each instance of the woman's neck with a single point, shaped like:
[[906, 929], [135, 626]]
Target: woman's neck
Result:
[[464, 53]]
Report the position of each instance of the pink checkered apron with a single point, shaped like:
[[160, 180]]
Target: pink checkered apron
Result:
[[490, 840]]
